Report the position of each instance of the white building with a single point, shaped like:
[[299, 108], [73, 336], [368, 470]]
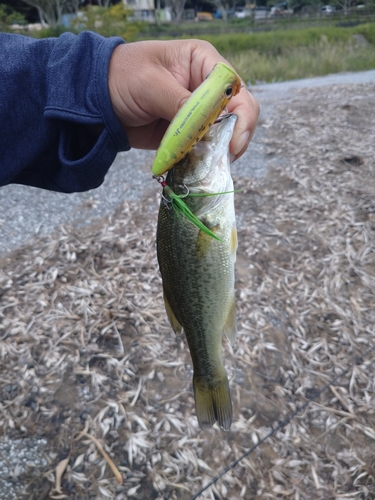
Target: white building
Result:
[[144, 10]]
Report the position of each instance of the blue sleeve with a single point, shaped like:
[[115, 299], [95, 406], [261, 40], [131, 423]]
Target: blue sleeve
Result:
[[51, 90]]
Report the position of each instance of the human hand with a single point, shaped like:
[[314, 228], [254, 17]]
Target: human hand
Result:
[[149, 82]]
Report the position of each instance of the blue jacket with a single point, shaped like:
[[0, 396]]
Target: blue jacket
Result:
[[49, 89]]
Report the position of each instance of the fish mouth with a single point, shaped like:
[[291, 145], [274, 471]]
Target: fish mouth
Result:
[[215, 145], [222, 130], [206, 161], [206, 169]]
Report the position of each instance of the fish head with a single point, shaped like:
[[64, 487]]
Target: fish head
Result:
[[207, 167]]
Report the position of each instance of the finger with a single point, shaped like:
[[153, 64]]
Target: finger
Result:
[[204, 56], [247, 109], [142, 89], [146, 136], [165, 97]]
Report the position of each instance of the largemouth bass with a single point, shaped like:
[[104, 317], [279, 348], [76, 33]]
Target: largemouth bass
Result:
[[198, 270]]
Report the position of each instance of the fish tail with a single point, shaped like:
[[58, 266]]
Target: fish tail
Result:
[[213, 402]]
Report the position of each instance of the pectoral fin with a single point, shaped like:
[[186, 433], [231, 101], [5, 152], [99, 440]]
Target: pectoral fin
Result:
[[233, 241], [204, 242], [177, 328], [230, 327]]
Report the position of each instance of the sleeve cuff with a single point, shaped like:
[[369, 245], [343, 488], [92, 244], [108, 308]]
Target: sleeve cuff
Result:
[[88, 171], [78, 94]]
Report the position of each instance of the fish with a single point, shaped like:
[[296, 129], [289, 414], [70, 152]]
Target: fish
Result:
[[196, 116], [197, 270]]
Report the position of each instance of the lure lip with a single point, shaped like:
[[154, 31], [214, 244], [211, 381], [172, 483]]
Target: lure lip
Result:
[[192, 120]]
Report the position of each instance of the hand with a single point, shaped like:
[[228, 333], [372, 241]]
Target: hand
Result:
[[150, 81]]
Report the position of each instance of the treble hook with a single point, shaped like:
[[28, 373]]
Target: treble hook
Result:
[[187, 192], [161, 181], [168, 202]]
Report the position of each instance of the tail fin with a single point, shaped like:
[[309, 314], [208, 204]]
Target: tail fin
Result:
[[213, 402]]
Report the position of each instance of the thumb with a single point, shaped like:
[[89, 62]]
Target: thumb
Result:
[[142, 90], [166, 97]]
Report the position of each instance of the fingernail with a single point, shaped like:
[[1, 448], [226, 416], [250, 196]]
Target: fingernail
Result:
[[232, 157], [242, 141]]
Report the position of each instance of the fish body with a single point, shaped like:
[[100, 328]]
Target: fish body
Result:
[[198, 270], [195, 117]]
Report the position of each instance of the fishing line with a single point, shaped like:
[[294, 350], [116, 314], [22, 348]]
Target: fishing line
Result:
[[283, 423]]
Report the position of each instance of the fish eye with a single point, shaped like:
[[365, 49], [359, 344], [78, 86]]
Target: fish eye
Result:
[[228, 92]]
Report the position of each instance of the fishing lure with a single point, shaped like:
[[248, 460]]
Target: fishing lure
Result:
[[188, 127], [196, 116]]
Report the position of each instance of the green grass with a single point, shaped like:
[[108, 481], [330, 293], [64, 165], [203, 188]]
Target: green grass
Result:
[[278, 55], [288, 54], [248, 25], [319, 58], [297, 53], [276, 42]]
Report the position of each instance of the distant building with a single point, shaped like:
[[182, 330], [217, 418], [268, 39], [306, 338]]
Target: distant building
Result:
[[144, 10]]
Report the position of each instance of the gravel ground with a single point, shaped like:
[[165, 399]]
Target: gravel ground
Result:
[[84, 341]]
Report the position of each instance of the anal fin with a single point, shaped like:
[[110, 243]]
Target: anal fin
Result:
[[230, 327]]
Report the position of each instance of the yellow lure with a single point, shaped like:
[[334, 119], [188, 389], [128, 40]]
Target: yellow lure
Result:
[[196, 116]]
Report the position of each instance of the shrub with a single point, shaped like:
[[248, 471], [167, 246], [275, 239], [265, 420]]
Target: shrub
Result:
[[318, 59], [8, 16], [109, 21], [276, 42]]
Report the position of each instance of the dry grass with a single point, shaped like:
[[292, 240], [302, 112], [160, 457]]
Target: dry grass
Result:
[[85, 344], [319, 58]]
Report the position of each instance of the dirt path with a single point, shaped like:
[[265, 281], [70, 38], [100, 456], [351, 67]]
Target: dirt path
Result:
[[84, 341]]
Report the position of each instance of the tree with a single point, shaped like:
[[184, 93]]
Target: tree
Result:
[[26, 11], [176, 8], [51, 11], [220, 5], [223, 6], [9, 16], [104, 3], [112, 21]]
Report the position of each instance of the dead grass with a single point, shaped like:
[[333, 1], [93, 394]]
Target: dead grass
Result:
[[322, 57], [85, 344]]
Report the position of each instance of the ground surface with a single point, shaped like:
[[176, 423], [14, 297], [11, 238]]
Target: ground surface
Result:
[[85, 345]]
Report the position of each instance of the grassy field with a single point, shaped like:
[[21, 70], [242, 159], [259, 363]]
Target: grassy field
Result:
[[250, 25], [298, 53], [319, 58], [284, 52]]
